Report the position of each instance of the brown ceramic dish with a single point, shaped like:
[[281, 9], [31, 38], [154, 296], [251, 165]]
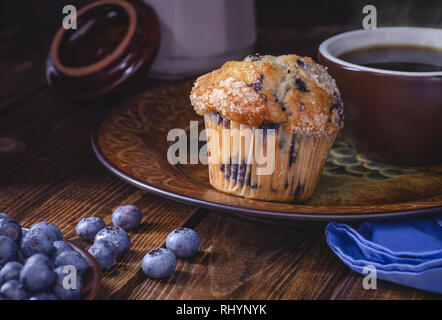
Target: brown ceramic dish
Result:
[[390, 116], [114, 42], [93, 276], [132, 143]]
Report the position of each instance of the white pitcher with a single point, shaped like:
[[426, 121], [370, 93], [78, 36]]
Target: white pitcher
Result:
[[200, 35]]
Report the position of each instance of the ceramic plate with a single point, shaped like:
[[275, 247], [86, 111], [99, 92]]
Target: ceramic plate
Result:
[[132, 143]]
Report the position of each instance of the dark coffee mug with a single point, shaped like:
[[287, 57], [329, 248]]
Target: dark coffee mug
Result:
[[391, 117]]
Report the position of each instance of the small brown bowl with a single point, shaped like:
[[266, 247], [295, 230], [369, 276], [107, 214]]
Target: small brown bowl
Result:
[[115, 41], [390, 116], [93, 276]]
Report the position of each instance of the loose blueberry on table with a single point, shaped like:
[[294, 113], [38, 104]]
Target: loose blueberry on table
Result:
[[159, 263], [117, 236], [88, 227], [127, 217], [183, 242], [105, 253]]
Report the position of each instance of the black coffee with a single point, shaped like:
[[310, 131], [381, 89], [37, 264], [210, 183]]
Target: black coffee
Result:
[[396, 58]]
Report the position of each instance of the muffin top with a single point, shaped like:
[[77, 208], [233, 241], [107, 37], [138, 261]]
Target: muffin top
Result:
[[290, 90]]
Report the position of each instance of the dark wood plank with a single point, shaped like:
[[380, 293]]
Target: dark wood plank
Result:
[[246, 260], [160, 217]]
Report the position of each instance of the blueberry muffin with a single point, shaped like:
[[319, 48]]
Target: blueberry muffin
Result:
[[270, 124]]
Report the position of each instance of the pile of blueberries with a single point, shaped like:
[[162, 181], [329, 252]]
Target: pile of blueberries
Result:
[[109, 243], [33, 263]]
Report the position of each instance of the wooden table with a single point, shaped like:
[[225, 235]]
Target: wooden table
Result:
[[49, 172]]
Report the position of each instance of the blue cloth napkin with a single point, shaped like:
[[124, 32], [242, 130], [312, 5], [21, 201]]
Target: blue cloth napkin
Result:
[[404, 252]]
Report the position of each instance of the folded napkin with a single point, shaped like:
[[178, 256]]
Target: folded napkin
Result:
[[404, 252]]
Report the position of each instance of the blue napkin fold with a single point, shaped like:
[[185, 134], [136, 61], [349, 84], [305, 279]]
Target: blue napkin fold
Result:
[[404, 252]]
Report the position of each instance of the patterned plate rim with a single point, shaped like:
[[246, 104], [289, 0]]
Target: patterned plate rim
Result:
[[257, 213]]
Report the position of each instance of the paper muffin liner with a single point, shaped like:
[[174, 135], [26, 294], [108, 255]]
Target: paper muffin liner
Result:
[[265, 163]]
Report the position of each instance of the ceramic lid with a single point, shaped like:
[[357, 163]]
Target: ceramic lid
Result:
[[114, 42]]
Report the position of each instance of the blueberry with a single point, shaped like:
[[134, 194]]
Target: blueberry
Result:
[[4, 215], [183, 242], [72, 258], [258, 84], [38, 273], [2, 296], [21, 257], [40, 259], [105, 253], [338, 106], [127, 217], [159, 263], [8, 250], [219, 119], [226, 123], [50, 229], [61, 246], [254, 57], [88, 227], [10, 228], [13, 290], [300, 85], [24, 232], [300, 62], [299, 190], [117, 236], [44, 296], [37, 241], [10, 271], [64, 286]]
